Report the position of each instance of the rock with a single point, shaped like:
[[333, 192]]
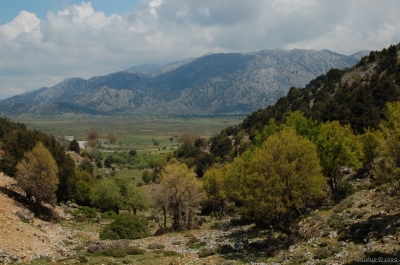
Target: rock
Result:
[[25, 214], [238, 246], [386, 239], [14, 258], [371, 245], [332, 234], [389, 230]]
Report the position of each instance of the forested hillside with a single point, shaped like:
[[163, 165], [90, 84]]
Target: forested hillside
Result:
[[348, 122]]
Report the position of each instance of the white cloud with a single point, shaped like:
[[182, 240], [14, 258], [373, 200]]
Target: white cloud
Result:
[[79, 41]]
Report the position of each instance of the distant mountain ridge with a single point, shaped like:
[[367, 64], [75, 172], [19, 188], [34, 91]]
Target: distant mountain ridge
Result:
[[213, 83]]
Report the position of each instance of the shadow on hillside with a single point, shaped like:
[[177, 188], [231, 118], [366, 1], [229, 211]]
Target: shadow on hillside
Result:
[[377, 257], [255, 243], [41, 211], [377, 226]]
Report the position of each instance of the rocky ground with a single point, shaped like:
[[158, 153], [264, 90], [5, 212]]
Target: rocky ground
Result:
[[364, 225]]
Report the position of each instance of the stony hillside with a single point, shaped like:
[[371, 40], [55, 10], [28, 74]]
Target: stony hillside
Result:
[[215, 83], [364, 225]]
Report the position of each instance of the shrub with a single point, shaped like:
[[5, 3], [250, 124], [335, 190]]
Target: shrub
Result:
[[126, 226], [109, 215], [134, 251], [322, 253], [205, 252], [86, 211], [156, 246], [114, 252], [197, 245], [344, 190]]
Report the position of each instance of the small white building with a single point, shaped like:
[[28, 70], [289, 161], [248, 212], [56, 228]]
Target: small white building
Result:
[[83, 144]]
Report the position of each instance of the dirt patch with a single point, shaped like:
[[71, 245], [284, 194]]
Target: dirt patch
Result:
[[27, 239]]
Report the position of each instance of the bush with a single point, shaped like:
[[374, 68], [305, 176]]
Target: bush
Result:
[[114, 252], [86, 211], [109, 215], [126, 226], [134, 251], [156, 246], [205, 252], [322, 253], [344, 190]]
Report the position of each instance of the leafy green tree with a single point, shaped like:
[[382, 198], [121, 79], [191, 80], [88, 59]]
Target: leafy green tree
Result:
[[107, 162], [86, 165], [82, 187], [280, 179], [119, 193], [214, 183], [37, 175], [147, 177], [337, 147], [133, 198], [74, 146], [106, 195], [19, 141], [221, 145], [387, 163], [132, 152]]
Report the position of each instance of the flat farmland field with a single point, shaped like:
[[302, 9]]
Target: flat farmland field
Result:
[[133, 132]]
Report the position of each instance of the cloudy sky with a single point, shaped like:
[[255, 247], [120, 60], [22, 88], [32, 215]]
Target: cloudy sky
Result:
[[43, 42]]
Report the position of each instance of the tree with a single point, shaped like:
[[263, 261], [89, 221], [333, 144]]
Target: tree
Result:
[[278, 180], [188, 138], [86, 166], [112, 138], [181, 191], [147, 177], [93, 137], [119, 193], [37, 175], [74, 146], [132, 152], [387, 163], [337, 147], [214, 183], [106, 195], [133, 198], [82, 187]]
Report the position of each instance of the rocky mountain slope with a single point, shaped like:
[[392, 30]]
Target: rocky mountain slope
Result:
[[215, 83]]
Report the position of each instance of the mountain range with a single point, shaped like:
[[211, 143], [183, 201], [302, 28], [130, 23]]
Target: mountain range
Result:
[[211, 84]]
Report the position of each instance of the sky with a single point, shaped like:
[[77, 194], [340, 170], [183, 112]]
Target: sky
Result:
[[43, 42]]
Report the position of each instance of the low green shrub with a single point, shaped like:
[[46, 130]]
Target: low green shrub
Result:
[[134, 251], [156, 246], [322, 253], [197, 245], [85, 211], [114, 252], [109, 215], [126, 226]]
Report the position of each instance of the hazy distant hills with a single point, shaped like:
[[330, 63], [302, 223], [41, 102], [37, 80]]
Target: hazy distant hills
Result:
[[214, 83]]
